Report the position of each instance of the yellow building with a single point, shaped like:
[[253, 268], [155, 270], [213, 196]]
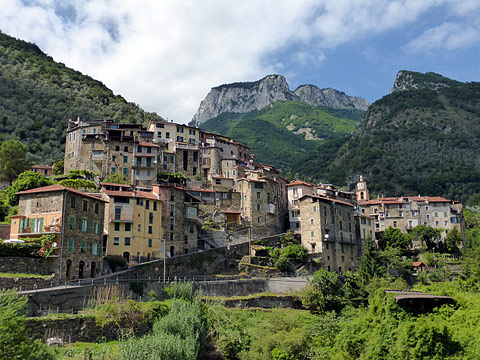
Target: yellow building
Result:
[[175, 136], [133, 223]]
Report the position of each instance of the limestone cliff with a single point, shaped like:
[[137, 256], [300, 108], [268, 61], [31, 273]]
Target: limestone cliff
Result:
[[329, 97], [410, 80], [247, 96]]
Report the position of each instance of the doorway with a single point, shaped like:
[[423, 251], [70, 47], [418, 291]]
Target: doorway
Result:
[[69, 269], [81, 268], [92, 271]]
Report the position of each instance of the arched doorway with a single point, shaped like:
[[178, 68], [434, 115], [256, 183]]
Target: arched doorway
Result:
[[126, 256], [81, 268], [172, 251], [138, 256], [92, 271], [69, 269]]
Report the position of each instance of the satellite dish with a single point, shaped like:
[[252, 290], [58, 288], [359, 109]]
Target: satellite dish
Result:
[[54, 245]]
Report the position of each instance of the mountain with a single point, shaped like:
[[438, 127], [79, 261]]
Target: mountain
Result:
[[423, 138], [283, 132], [39, 95], [244, 97]]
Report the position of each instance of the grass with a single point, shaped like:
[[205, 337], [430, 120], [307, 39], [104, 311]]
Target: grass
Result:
[[22, 275], [82, 350], [251, 296]]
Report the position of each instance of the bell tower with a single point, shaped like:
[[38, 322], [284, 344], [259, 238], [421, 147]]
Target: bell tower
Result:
[[361, 190]]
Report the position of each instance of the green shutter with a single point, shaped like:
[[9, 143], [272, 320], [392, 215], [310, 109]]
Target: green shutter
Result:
[[41, 224], [21, 226], [88, 226]]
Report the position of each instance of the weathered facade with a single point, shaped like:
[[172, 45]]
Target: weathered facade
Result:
[[328, 230], [76, 220]]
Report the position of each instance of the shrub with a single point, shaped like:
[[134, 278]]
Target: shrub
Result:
[[182, 291], [20, 249], [115, 261]]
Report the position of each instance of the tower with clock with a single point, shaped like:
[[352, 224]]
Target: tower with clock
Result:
[[361, 190]]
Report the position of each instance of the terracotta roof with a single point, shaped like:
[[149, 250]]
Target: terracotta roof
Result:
[[132, 194], [200, 190], [328, 199], [114, 184], [42, 167], [299, 182], [418, 263], [57, 187], [147, 144], [403, 200]]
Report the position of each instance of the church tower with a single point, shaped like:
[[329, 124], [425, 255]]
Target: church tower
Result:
[[361, 190]]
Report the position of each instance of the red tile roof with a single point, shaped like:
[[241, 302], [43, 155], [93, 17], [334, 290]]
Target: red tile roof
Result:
[[328, 199], [132, 194], [299, 182], [42, 167], [114, 184], [57, 187], [147, 144]]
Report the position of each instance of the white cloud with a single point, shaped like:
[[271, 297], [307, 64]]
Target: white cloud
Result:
[[166, 55], [449, 36]]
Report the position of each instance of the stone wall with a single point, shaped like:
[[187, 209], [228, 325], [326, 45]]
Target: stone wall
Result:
[[25, 283], [17, 264], [4, 231]]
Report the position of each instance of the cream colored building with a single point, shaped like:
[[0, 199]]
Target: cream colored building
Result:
[[328, 231]]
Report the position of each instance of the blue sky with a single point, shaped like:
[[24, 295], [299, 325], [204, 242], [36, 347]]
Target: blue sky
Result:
[[166, 55]]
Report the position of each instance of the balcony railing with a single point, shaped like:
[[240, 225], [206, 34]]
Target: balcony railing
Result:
[[121, 218]]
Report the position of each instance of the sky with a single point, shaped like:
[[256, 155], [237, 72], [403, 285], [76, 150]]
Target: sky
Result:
[[166, 55]]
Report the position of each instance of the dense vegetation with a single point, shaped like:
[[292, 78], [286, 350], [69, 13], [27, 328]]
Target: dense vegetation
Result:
[[39, 95], [420, 141], [284, 132]]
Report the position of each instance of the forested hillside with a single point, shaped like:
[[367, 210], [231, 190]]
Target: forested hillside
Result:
[[412, 141], [38, 96], [282, 133]]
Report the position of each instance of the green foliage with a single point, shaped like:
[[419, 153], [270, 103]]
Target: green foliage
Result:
[[13, 159], [115, 179], [25, 181], [138, 287], [288, 239], [290, 255], [283, 264], [427, 235], [266, 132], [78, 184], [115, 261], [183, 291], [324, 290], [393, 237], [369, 263], [14, 343], [177, 336], [20, 249], [38, 96], [58, 167], [173, 178], [452, 240]]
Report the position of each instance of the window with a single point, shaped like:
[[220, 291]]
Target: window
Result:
[[72, 223], [85, 205], [312, 234], [427, 208], [117, 226], [125, 159], [118, 213], [341, 225], [113, 170], [139, 149], [218, 181], [400, 213], [96, 228], [83, 246], [436, 214], [125, 149], [314, 209], [258, 195], [149, 150], [125, 171], [343, 249], [84, 225], [150, 218], [259, 207], [172, 210], [127, 241], [114, 158], [311, 221], [97, 208], [128, 227], [139, 228], [154, 206], [394, 224], [72, 202], [94, 249], [343, 260], [116, 241], [150, 230], [70, 244], [167, 135], [150, 243]]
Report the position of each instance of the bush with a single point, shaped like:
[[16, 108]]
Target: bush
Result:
[[183, 291], [20, 249], [115, 261]]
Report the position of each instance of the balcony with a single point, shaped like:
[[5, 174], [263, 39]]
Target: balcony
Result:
[[271, 209], [186, 146], [121, 218], [47, 229]]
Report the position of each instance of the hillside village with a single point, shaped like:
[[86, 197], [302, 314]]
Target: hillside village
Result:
[[184, 190]]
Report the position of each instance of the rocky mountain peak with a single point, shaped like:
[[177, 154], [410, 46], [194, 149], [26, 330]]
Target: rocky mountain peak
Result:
[[241, 97], [408, 80]]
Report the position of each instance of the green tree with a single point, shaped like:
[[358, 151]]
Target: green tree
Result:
[[453, 239], [427, 235], [58, 167], [13, 159], [370, 263], [288, 239], [324, 289], [393, 237], [25, 181], [14, 343], [115, 179]]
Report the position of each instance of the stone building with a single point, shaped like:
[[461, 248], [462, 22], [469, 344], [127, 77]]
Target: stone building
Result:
[[133, 223], [76, 220], [328, 231], [45, 170], [181, 147], [180, 221], [105, 147], [295, 191], [406, 212]]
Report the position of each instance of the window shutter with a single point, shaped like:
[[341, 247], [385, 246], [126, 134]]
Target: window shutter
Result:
[[41, 224], [21, 225]]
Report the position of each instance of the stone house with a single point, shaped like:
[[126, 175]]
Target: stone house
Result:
[[45, 170], [105, 147], [295, 191], [180, 219], [328, 231], [133, 223], [76, 220]]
